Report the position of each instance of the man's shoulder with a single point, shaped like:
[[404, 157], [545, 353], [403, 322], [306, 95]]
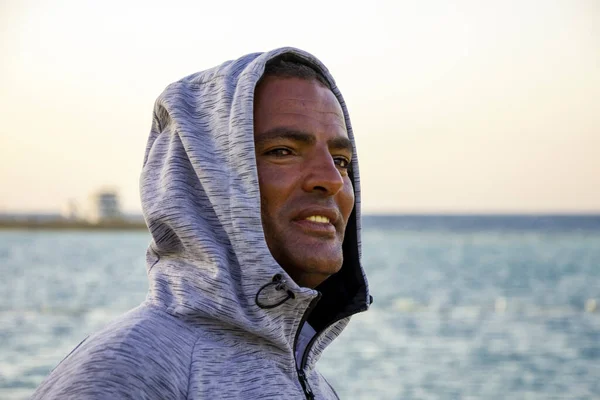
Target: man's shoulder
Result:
[[142, 331], [151, 322], [145, 353]]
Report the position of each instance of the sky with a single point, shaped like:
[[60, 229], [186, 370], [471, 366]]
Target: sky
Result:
[[457, 106]]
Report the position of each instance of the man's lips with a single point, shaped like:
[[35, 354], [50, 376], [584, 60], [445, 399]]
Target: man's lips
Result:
[[318, 220], [332, 214]]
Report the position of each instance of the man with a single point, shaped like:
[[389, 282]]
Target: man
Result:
[[250, 191]]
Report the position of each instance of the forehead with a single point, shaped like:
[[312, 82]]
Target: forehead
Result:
[[297, 103]]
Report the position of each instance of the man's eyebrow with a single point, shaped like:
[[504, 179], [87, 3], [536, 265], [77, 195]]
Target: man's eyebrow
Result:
[[285, 133], [338, 143], [341, 143]]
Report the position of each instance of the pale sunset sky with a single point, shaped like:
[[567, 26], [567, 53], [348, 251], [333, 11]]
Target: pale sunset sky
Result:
[[457, 106]]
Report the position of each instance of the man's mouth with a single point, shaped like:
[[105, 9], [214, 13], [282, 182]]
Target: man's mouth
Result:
[[319, 215], [318, 218], [320, 222]]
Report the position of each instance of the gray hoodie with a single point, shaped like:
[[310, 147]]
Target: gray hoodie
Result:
[[221, 318]]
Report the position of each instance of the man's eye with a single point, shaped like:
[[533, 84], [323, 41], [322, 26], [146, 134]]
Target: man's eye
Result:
[[279, 152], [342, 162]]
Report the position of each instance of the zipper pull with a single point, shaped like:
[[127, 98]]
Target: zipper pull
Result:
[[305, 386]]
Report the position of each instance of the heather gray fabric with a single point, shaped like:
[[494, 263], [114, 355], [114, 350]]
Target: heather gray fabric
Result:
[[200, 333]]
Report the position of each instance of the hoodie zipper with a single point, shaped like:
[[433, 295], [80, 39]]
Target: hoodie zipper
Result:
[[305, 386], [301, 375]]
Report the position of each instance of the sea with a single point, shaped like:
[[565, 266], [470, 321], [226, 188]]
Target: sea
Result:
[[465, 307]]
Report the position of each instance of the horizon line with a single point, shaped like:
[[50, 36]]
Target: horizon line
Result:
[[387, 213]]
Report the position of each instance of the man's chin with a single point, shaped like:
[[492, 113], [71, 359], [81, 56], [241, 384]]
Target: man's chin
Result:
[[313, 269], [307, 258]]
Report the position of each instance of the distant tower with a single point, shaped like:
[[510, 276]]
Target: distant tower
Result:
[[70, 211], [105, 206]]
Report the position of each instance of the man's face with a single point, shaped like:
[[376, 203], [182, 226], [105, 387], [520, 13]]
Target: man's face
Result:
[[302, 155]]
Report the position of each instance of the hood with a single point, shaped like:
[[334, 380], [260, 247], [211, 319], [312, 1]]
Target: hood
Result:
[[200, 196]]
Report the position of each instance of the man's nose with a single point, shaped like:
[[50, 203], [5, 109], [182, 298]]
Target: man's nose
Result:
[[323, 175]]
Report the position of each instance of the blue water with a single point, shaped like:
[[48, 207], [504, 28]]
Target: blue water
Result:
[[465, 307]]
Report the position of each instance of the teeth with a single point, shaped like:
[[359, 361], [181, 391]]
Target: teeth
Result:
[[318, 218]]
